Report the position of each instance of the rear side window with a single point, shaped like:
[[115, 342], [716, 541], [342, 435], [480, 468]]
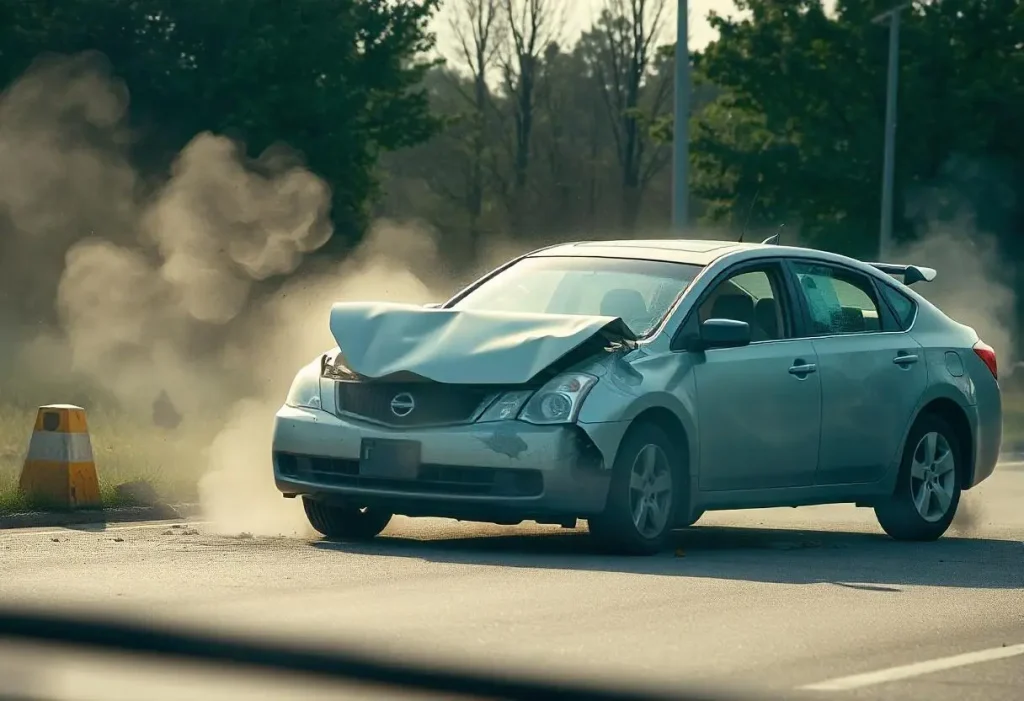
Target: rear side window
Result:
[[902, 306], [839, 301]]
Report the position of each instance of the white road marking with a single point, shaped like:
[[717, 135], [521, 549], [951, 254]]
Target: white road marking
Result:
[[85, 530], [882, 676]]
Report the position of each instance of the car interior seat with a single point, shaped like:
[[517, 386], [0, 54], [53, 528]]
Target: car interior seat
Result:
[[627, 304], [818, 306], [852, 320], [738, 307], [766, 312]]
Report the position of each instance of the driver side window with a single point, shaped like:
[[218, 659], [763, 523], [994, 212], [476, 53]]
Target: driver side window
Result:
[[751, 296]]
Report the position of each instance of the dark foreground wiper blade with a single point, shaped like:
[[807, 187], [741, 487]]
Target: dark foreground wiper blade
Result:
[[167, 643]]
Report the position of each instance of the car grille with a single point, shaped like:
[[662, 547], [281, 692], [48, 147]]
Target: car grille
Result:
[[412, 404], [431, 479]]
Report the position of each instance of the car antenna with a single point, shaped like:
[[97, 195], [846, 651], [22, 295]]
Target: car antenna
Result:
[[750, 210], [773, 240]]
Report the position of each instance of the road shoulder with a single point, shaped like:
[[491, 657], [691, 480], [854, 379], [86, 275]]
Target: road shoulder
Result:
[[45, 519]]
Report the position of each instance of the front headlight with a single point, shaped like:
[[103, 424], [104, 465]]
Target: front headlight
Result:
[[305, 390], [559, 401], [507, 406], [334, 368]]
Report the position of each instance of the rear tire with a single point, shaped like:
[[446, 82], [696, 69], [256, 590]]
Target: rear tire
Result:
[[643, 496], [928, 486], [345, 522]]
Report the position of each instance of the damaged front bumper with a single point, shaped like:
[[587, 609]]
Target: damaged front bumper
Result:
[[505, 471]]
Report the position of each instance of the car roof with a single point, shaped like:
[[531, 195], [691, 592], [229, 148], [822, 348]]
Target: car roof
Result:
[[704, 252], [697, 252], [693, 251]]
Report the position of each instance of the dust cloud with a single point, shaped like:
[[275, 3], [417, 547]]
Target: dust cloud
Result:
[[955, 217], [969, 517], [144, 291], [238, 492], [975, 282], [972, 287]]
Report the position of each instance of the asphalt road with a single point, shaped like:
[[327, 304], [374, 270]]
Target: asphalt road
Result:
[[773, 600]]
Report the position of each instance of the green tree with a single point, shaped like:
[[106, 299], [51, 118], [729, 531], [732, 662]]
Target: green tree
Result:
[[623, 55], [796, 126], [800, 119], [337, 80], [531, 26]]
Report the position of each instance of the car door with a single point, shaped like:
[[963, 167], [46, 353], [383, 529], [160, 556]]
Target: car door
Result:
[[872, 372], [758, 406]]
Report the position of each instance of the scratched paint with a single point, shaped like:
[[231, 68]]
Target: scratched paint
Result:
[[507, 442]]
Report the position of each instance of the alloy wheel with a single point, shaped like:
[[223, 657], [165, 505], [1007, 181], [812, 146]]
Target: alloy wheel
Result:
[[933, 477], [650, 491]]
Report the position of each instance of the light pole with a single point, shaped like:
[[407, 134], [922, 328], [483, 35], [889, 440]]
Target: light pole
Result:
[[681, 130], [889, 163]]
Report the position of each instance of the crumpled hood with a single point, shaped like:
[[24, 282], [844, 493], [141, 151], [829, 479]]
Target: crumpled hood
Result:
[[379, 339]]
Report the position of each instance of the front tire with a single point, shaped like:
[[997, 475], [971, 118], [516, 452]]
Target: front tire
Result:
[[643, 494], [928, 486], [345, 522]]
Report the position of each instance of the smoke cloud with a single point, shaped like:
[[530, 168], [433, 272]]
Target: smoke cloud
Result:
[[975, 284], [147, 292], [238, 493]]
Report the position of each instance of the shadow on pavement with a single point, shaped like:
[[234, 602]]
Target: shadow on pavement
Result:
[[95, 527], [862, 561]]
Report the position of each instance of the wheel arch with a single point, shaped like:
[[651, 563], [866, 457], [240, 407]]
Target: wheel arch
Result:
[[950, 411], [667, 420]]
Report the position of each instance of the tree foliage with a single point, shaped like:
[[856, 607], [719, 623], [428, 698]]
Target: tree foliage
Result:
[[338, 80], [574, 136], [801, 118], [526, 135], [787, 126]]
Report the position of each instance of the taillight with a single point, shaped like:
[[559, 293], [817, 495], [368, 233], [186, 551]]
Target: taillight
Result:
[[988, 356]]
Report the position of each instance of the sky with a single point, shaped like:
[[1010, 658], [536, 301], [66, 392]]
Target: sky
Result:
[[580, 13]]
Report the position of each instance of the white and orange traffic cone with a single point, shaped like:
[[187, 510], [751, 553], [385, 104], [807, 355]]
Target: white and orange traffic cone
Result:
[[59, 470]]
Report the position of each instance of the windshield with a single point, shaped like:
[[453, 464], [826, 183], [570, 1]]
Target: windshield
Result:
[[640, 292]]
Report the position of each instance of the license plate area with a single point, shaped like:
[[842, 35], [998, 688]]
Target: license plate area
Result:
[[385, 458]]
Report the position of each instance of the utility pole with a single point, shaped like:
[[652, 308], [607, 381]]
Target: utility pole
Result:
[[889, 164], [681, 131]]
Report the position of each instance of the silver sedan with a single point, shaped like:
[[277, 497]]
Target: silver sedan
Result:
[[638, 384]]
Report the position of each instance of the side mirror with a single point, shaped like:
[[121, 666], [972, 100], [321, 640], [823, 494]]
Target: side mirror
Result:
[[723, 333]]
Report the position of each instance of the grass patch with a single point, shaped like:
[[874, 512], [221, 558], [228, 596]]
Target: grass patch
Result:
[[126, 448]]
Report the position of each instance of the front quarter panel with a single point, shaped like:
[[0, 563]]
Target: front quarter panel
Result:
[[647, 378]]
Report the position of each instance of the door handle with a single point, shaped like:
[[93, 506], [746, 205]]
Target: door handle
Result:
[[904, 359], [803, 368]]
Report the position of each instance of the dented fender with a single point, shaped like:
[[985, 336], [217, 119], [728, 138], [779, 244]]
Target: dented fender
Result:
[[631, 384]]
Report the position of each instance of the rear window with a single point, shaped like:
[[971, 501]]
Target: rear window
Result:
[[903, 307]]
